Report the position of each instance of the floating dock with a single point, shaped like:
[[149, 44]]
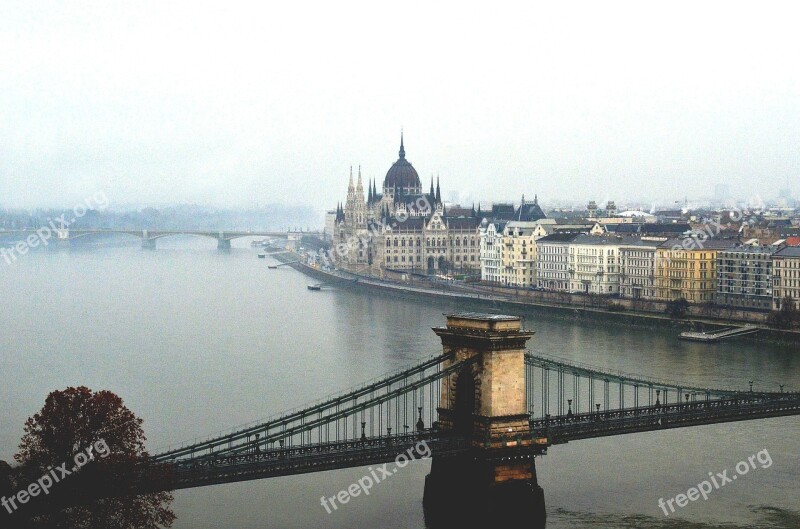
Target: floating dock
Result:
[[715, 336]]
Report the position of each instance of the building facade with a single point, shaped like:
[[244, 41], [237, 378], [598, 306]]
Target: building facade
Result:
[[519, 252], [687, 268], [330, 225], [491, 250], [786, 277], [404, 229], [594, 264], [744, 277], [552, 261], [637, 274]]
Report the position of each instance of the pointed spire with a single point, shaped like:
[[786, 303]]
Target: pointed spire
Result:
[[536, 199], [359, 177], [369, 192], [350, 186], [374, 190], [438, 191], [432, 191], [402, 148]]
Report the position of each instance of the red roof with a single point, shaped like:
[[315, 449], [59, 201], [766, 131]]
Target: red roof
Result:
[[792, 241]]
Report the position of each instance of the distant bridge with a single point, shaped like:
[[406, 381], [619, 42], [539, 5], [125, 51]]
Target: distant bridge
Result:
[[149, 237]]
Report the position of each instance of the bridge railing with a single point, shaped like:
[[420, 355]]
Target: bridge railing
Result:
[[396, 402], [559, 387], [566, 428], [313, 458]]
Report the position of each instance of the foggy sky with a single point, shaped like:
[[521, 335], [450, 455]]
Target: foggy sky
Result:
[[241, 104]]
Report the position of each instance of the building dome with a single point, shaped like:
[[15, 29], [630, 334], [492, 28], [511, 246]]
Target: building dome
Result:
[[402, 174]]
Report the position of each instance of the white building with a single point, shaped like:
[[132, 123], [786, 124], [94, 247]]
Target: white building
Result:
[[638, 267], [330, 225], [552, 261], [594, 264], [491, 250]]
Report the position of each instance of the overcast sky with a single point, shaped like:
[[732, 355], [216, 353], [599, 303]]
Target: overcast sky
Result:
[[238, 104]]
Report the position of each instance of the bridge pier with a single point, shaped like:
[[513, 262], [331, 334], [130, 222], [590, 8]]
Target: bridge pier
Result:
[[495, 482], [148, 244], [223, 244]]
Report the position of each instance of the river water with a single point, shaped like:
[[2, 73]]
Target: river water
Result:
[[197, 341]]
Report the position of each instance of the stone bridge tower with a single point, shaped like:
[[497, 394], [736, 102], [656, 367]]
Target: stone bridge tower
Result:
[[485, 401]]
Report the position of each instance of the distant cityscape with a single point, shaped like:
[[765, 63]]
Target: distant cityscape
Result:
[[741, 255]]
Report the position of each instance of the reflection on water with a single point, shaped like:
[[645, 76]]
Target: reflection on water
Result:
[[197, 341]]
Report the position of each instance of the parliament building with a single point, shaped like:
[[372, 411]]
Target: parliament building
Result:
[[404, 229]]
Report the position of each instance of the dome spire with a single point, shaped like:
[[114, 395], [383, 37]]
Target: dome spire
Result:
[[402, 148]]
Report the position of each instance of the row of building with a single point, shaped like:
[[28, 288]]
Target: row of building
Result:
[[698, 269], [404, 229]]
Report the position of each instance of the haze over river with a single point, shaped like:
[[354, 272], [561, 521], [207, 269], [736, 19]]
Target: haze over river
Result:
[[197, 341]]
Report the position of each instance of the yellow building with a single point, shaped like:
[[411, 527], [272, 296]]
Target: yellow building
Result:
[[687, 268], [518, 253], [786, 278]]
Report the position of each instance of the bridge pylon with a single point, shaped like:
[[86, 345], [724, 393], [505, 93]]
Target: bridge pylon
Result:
[[486, 402]]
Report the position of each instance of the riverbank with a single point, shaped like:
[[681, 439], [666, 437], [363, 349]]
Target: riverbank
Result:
[[480, 298]]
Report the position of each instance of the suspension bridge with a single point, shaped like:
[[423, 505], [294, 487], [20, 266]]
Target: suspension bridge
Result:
[[486, 407]]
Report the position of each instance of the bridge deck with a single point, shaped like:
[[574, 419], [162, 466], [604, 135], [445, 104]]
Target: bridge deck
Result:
[[259, 464], [565, 428]]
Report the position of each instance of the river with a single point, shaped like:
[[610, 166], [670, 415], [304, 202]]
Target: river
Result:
[[197, 341]]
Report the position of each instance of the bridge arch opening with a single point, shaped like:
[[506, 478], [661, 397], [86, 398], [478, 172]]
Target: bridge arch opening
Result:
[[464, 403]]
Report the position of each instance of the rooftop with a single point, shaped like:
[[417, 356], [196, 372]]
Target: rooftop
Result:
[[696, 244], [789, 251], [559, 237], [745, 248]]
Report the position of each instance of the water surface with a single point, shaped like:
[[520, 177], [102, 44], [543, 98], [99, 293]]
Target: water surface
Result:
[[197, 341]]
